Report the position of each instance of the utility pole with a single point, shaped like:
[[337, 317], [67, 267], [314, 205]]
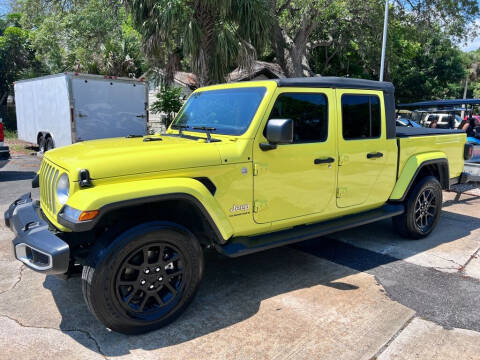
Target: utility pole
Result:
[[384, 45]]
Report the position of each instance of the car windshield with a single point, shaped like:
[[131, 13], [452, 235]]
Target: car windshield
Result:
[[229, 111]]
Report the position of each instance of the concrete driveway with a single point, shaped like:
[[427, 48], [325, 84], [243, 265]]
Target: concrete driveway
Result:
[[361, 294]]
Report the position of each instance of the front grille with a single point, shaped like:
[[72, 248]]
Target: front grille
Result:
[[49, 174]]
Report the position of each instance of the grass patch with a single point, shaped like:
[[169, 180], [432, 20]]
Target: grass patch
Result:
[[10, 134]]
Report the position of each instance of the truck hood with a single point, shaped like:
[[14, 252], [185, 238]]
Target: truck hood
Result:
[[122, 156]]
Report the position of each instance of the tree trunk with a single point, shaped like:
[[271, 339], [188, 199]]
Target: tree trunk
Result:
[[292, 53], [205, 63]]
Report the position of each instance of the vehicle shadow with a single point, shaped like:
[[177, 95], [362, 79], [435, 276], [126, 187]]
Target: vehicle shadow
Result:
[[233, 289], [16, 175]]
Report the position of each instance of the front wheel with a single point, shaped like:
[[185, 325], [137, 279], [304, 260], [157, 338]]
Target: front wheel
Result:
[[145, 278], [422, 209]]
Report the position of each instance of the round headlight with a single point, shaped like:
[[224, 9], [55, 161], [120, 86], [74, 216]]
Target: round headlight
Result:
[[63, 188]]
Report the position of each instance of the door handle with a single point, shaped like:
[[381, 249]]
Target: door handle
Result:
[[374, 155], [328, 160]]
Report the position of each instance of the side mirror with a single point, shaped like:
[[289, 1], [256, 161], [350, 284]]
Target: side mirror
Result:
[[279, 131]]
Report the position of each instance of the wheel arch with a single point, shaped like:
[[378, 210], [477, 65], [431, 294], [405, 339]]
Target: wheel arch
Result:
[[416, 169], [177, 208], [185, 201]]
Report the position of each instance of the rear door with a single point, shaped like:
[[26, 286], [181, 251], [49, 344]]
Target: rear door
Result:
[[106, 108], [367, 160]]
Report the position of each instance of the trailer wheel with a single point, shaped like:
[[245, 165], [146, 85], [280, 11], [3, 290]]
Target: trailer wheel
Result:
[[41, 143], [48, 144]]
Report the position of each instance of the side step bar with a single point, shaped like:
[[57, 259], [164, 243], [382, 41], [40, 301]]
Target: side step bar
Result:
[[251, 244]]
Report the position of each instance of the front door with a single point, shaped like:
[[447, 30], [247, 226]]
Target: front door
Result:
[[297, 179], [365, 155]]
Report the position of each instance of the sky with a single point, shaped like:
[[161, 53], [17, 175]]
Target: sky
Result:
[[471, 45], [4, 7]]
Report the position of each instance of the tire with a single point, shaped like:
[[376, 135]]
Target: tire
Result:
[[48, 144], [124, 296], [41, 143], [422, 210]]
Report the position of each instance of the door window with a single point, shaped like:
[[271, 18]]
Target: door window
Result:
[[309, 113], [361, 117]]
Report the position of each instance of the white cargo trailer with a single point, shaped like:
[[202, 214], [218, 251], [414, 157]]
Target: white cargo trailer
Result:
[[59, 110]]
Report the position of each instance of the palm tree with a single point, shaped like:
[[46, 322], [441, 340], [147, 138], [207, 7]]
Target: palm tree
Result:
[[211, 35]]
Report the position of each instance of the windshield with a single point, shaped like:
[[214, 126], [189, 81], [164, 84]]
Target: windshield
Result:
[[229, 111]]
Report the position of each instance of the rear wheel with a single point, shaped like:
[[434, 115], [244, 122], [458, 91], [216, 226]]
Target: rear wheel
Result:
[[48, 144], [422, 209], [145, 278]]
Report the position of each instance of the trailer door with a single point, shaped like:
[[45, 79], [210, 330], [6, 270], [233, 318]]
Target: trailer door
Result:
[[105, 108]]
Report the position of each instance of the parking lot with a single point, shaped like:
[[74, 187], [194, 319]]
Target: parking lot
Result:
[[365, 293]]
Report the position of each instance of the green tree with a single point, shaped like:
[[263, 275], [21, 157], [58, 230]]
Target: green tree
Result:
[[168, 101], [93, 36], [211, 36], [17, 58], [294, 22]]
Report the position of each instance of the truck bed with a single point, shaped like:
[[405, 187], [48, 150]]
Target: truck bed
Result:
[[447, 143], [404, 131]]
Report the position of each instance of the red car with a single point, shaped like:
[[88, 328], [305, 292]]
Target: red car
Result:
[[4, 150]]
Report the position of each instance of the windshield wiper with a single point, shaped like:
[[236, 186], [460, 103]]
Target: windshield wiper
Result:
[[180, 128], [152, 139], [207, 130]]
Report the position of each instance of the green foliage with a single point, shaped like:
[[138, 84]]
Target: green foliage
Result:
[[168, 101], [17, 58], [10, 134], [422, 62], [92, 36], [211, 35]]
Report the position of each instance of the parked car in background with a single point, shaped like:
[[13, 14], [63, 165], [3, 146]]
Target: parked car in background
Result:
[[4, 150], [407, 123], [62, 109], [444, 121]]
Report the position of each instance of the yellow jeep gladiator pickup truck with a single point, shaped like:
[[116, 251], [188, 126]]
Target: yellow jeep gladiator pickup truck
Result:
[[244, 167]]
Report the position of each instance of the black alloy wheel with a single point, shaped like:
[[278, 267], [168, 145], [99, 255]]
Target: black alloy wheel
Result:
[[150, 280], [422, 209], [425, 209], [143, 278]]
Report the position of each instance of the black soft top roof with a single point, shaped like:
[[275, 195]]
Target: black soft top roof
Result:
[[337, 82]]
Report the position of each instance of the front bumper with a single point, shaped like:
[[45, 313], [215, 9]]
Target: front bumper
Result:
[[34, 244]]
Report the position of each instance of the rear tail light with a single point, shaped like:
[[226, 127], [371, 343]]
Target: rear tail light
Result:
[[468, 154], [1, 132]]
